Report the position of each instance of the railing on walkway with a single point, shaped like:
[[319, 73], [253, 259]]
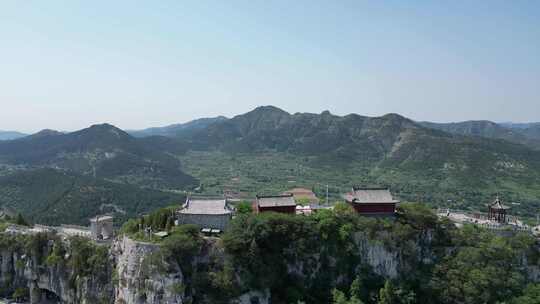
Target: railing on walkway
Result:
[[482, 220]]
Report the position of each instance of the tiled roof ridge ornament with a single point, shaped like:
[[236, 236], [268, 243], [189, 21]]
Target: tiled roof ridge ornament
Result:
[[497, 204]]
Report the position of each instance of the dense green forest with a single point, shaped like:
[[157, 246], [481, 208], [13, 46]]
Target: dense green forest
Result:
[[322, 258], [274, 172], [319, 259], [54, 197]]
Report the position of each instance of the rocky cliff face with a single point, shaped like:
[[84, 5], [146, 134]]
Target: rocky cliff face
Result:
[[139, 279], [143, 278], [137, 273], [383, 262], [134, 277], [42, 283], [390, 263]]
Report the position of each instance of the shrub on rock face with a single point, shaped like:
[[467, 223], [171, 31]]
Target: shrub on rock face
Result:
[[182, 245], [20, 220], [21, 294]]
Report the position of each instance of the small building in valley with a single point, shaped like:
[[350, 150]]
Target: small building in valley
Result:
[[284, 203], [303, 194], [205, 212], [101, 227], [372, 201]]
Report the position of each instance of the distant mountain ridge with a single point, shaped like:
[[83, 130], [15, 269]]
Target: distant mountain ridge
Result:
[[101, 151], [44, 133], [175, 129], [517, 125], [531, 130], [270, 128], [526, 134], [9, 135], [522, 133]]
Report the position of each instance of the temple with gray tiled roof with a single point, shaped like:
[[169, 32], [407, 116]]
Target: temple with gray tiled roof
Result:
[[372, 200], [205, 212]]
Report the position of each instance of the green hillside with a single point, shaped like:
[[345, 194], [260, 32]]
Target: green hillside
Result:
[[55, 197], [102, 151]]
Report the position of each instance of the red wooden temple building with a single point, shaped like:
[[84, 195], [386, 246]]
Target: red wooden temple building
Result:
[[372, 201], [278, 203]]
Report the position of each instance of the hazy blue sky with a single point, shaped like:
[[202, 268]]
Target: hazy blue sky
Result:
[[68, 64]]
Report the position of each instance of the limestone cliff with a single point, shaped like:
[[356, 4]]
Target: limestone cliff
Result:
[[49, 282], [139, 279], [132, 272]]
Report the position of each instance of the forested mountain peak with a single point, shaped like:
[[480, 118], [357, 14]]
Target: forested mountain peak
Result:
[[44, 133], [101, 151]]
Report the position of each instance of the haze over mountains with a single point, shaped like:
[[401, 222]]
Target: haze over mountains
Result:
[[177, 129], [462, 164], [522, 133], [9, 135], [527, 134]]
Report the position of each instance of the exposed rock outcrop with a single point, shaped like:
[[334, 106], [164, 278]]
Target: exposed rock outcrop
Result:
[[49, 282], [137, 273], [374, 254], [140, 281]]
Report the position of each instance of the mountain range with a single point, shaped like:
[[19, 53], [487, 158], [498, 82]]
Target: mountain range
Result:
[[9, 135], [54, 177], [462, 165], [522, 133], [176, 129], [527, 134], [100, 151]]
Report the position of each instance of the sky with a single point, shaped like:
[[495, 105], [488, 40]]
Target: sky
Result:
[[65, 65]]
